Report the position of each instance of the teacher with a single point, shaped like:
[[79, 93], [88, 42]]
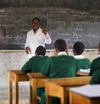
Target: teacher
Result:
[[36, 37]]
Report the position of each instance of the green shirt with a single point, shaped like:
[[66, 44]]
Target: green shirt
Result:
[[95, 65], [84, 63], [60, 66], [34, 64], [95, 77]]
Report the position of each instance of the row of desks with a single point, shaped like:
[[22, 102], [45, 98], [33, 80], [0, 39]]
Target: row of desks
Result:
[[17, 76]]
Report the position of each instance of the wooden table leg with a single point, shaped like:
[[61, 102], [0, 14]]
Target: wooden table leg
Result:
[[48, 100], [30, 91], [9, 89], [16, 90], [34, 91]]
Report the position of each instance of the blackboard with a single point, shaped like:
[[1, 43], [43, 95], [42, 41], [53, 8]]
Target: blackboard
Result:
[[68, 20]]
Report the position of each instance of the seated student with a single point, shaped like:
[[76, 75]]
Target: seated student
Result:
[[95, 65], [95, 77], [36, 62], [78, 49], [59, 66]]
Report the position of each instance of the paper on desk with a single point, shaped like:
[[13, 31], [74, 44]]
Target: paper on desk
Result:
[[88, 90], [84, 70]]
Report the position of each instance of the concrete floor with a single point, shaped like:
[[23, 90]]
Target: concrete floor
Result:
[[20, 102], [23, 93], [22, 99]]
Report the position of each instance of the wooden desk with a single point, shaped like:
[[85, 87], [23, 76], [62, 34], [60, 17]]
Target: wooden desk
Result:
[[76, 98], [37, 80], [58, 87], [15, 76]]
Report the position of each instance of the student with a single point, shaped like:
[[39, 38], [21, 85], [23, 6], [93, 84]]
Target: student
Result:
[[78, 49], [36, 62], [36, 37], [59, 66], [95, 77], [95, 65]]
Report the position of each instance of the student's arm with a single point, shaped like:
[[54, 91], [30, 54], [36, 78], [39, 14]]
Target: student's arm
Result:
[[27, 48], [92, 68], [88, 62], [46, 67], [95, 78], [77, 66], [26, 67]]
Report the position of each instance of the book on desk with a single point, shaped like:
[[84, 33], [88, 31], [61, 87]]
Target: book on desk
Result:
[[85, 71]]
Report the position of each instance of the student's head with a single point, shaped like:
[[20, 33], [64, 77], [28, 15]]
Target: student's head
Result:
[[60, 45], [36, 23], [78, 48], [99, 47], [40, 50]]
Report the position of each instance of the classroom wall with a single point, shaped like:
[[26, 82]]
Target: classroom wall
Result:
[[15, 59]]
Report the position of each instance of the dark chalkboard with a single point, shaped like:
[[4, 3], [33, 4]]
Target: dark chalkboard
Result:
[[72, 24]]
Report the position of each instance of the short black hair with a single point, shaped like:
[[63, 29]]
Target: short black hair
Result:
[[60, 44], [78, 48], [35, 18], [40, 50]]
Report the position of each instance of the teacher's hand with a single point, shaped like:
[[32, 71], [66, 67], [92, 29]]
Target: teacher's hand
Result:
[[28, 50], [44, 31]]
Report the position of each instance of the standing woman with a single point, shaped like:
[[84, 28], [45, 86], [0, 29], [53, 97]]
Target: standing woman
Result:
[[36, 37]]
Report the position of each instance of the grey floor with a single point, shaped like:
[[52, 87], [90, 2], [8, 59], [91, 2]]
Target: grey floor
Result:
[[23, 93]]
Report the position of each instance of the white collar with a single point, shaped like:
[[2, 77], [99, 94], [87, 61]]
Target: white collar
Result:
[[39, 55], [79, 56], [62, 53]]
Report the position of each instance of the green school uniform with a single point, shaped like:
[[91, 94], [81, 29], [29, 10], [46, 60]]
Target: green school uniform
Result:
[[59, 67], [84, 63], [95, 77], [95, 65], [34, 64]]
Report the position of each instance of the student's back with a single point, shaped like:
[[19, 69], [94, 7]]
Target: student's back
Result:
[[84, 63], [95, 77], [95, 63], [60, 66], [78, 49], [36, 62]]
